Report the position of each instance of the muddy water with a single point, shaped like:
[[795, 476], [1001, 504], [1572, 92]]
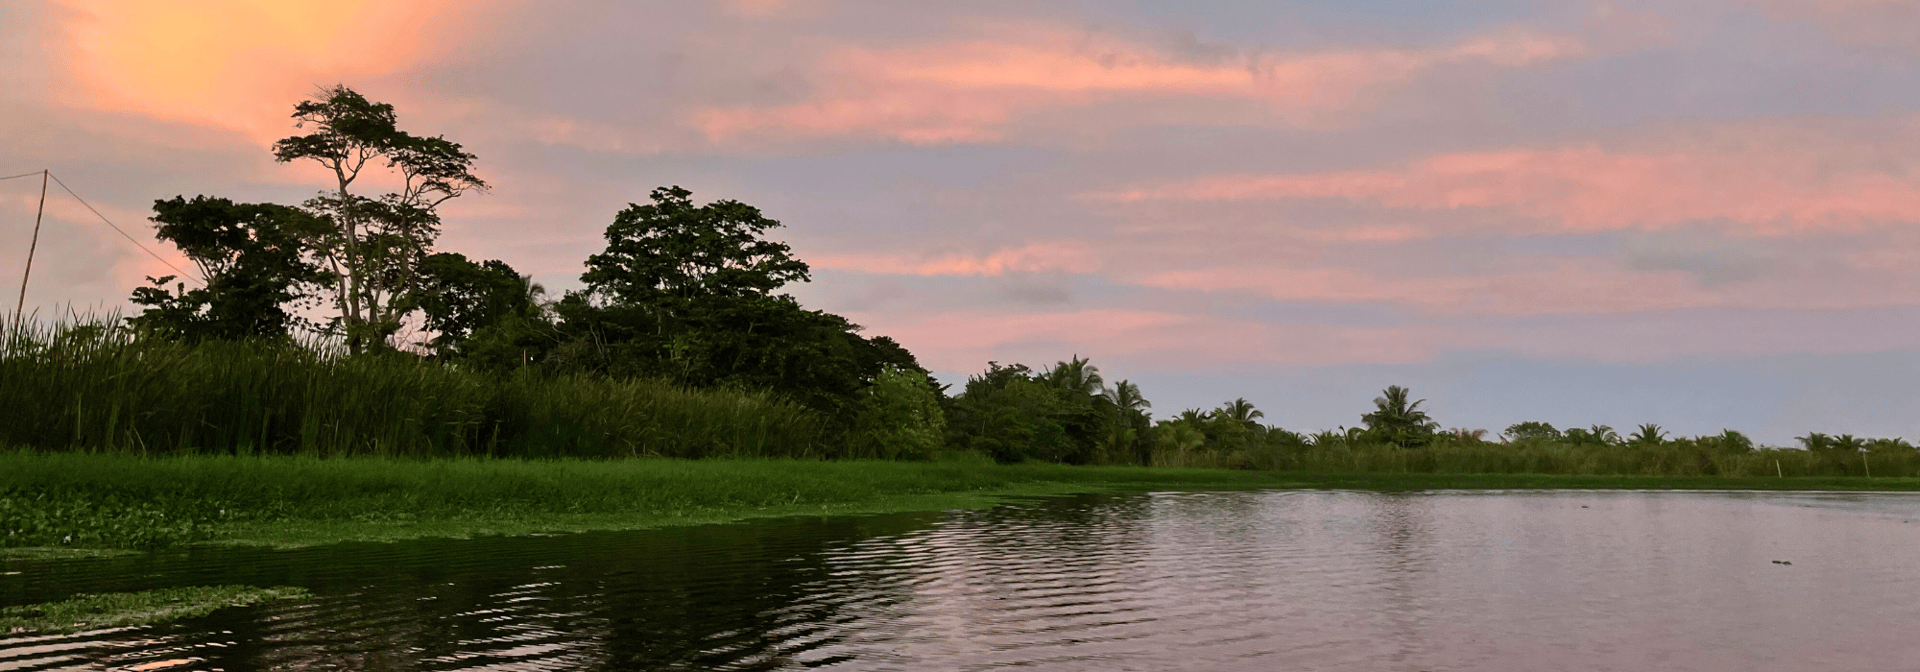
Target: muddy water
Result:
[[1307, 580]]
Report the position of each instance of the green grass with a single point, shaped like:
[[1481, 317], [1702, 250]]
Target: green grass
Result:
[[117, 610], [303, 501], [96, 388]]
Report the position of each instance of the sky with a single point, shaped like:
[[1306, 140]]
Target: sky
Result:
[[1695, 213]]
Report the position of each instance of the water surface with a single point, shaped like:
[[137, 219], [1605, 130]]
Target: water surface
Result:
[[1306, 580]]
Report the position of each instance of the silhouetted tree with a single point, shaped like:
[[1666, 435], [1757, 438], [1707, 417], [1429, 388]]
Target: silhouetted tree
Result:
[[375, 244], [251, 260]]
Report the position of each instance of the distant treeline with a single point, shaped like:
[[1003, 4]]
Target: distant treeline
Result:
[[336, 328]]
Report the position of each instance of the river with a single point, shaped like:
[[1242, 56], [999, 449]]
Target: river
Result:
[[1293, 580]]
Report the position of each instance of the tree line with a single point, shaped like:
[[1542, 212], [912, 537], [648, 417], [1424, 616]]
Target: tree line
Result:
[[690, 295]]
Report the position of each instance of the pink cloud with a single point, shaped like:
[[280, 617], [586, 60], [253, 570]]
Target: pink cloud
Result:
[[974, 90], [1549, 286], [1062, 257], [1889, 23], [965, 341], [1124, 341], [1766, 182]]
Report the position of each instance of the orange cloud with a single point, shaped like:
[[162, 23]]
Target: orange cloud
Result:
[[1036, 258], [1765, 183], [237, 63], [973, 90]]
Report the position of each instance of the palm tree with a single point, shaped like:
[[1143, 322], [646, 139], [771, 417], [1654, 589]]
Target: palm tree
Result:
[[1605, 434], [1077, 376], [1193, 416], [1815, 441], [1240, 411], [1126, 396], [1394, 414], [1126, 417], [1649, 435], [1183, 437]]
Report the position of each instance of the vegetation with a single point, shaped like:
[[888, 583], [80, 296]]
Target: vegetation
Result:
[[91, 387], [681, 345], [94, 611], [73, 500]]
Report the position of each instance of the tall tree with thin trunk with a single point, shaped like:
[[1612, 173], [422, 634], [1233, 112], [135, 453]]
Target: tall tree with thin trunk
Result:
[[374, 245]]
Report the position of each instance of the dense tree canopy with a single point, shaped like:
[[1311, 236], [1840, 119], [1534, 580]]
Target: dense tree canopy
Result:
[[252, 266]]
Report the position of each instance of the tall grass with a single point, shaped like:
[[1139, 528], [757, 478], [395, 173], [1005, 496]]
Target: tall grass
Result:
[[1677, 458], [91, 387]]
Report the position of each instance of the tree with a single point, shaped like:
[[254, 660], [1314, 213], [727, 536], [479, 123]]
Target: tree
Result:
[[1241, 411], [1597, 435], [252, 263], [689, 293], [1077, 377], [671, 253], [375, 245], [1011, 414], [1648, 435], [1531, 431], [1129, 424], [898, 416], [1398, 421], [458, 297]]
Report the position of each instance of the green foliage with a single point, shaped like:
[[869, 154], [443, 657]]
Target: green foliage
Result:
[[459, 298], [686, 293], [1648, 435], [671, 252], [251, 259], [1061, 414], [1398, 421], [1228, 436], [1129, 438], [1010, 414], [1597, 435], [93, 611], [898, 416], [42, 517], [1531, 431], [94, 388]]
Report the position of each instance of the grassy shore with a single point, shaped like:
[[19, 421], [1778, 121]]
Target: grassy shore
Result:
[[120, 610], [67, 502]]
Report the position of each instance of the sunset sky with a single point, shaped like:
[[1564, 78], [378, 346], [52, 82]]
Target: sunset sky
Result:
[[1697, 213]]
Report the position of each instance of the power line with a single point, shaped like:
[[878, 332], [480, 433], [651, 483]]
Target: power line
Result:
[[11, 177], [123, 233]]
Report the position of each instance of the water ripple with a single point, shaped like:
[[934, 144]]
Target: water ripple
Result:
[[1215, 581]]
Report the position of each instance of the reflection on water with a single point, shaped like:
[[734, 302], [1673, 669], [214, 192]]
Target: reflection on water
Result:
[[1307, 580]]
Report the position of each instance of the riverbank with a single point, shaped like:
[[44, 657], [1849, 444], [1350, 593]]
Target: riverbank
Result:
[[68, 504]]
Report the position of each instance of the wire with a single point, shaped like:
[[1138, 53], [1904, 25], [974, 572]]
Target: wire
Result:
[[123, 233], [11, 177]]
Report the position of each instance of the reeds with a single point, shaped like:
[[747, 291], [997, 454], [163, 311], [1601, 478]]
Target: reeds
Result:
[[93, 387]]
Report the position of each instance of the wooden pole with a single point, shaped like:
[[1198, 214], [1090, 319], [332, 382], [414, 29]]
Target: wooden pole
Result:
[[21, 304], [1777, 471], [1865, 463]]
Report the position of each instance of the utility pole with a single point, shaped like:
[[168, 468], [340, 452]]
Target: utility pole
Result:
[[21, 304]]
